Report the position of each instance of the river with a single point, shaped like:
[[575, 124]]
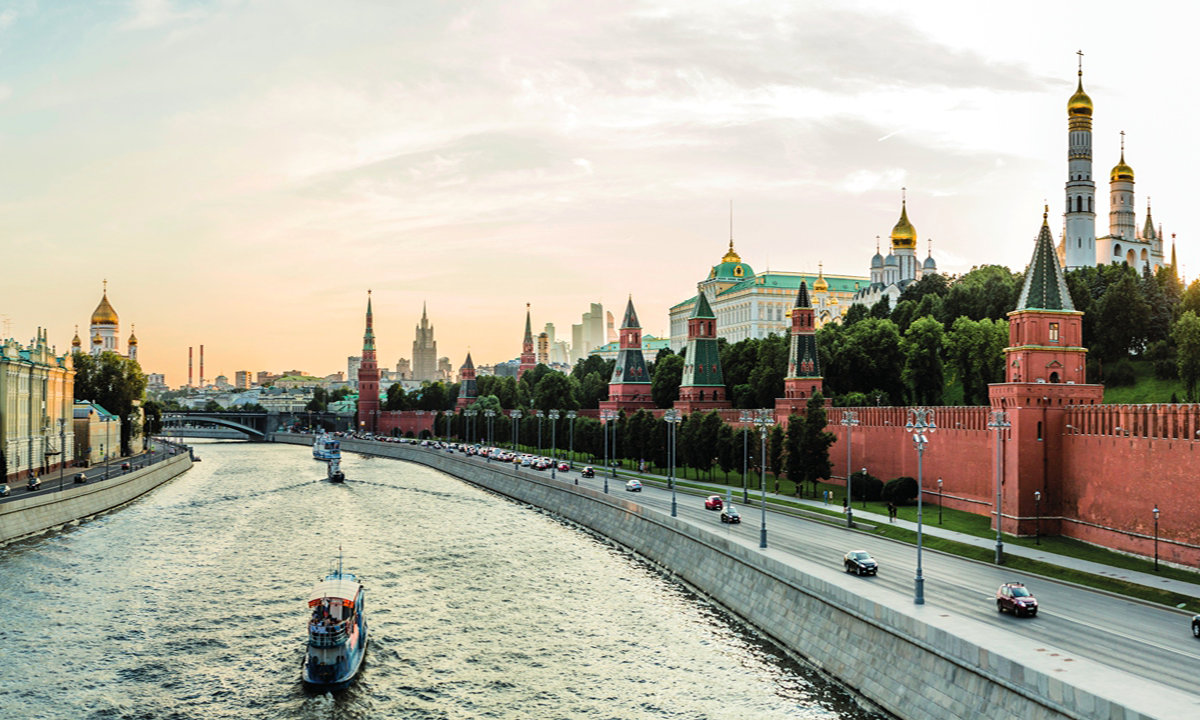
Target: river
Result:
[[190, 603]]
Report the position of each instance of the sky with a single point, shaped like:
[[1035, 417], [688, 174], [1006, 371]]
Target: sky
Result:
[[241, 172]]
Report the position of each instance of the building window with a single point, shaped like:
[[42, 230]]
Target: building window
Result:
[[1053, 332]]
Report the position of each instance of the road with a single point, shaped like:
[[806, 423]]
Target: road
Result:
[[97, 473]]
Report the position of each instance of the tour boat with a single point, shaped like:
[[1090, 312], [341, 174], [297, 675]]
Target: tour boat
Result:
[[325, 447], [337, 632]]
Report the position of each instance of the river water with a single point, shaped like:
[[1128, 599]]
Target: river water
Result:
[[190, 603]]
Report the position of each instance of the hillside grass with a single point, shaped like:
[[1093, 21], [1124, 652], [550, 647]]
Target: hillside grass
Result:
[[1147, 388]]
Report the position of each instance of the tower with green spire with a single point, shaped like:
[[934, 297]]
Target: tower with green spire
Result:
[[528, 358], [629, 388], [804, 377], [703, 386], [368, 378]]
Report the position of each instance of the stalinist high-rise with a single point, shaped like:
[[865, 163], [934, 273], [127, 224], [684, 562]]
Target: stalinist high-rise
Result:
[[424, 354]]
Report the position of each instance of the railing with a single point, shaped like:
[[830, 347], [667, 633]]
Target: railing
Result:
[[327, 635]]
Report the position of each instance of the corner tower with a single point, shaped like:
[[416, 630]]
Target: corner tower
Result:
[[629, 387], [804, 366], [703, 386], [1079, 231], [528, 358], [368, 378], [467, 392]]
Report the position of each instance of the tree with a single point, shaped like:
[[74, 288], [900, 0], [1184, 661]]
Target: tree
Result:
[[923, 372], [775, 453], [397, 399], [794, 465], [153, 413], [709, 438], [115, 383], [766, 379], [815, 443], [1186, 335], [592, 391], [901, 490], [553, 392], [1123, 316], [727, 452], [882, 310], [976, 347], [865, 357], [668, 374]]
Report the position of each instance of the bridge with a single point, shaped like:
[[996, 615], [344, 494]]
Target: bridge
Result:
[[245, 425]]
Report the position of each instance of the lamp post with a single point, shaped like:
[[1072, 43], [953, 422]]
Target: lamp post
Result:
[[764, 419], [1156, 537], [849, 419], [62, 450], [1037, 517], [746, 419], [470, 416], [490, 415], [553, 443], [516, 418], [920, 424], [420, 421], [540, 416], [939, 501], [571, 417], [607, 416], [998, 421], [672, 417]]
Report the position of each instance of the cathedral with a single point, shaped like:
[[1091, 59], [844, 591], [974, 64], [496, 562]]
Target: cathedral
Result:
[[103, 331], [892, 274], [1124, 243]]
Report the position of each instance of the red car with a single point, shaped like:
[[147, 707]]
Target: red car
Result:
[[1017, 599], [713, 502]]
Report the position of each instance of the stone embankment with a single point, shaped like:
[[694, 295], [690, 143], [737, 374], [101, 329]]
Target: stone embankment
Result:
[[27, 516], [917, 662]]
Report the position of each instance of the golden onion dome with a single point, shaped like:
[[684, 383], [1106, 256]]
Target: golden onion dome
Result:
[[1121, 171], [904, 235], [821, 285], [132, 337], [1080, 103], [76, 342], [97, 340], [104, 314]]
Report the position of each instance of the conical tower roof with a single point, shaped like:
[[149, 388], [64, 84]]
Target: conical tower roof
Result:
[[802, 300], [468, 363], [1045, 285], [1148, 233], [631, 320], [369, 335], [528, 325], [702, 310]]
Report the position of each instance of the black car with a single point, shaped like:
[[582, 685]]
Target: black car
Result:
[[860, 562], [730, 514], [589, 472], [33, 484], [1196, 625], [80, 478]]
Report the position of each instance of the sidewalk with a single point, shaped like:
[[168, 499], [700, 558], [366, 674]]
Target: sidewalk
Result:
[[1034, 553]]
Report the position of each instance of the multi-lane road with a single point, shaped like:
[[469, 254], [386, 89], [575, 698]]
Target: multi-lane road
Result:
[[53, 482]]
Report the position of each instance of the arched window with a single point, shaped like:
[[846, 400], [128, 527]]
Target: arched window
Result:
[[1089, 205], [1054, 377]]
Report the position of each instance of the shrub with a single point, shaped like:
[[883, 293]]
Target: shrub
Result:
[[1120, 374], [901, 490], [866, 486]]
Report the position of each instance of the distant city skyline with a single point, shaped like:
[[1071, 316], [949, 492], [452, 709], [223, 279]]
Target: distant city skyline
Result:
[[480, 157]]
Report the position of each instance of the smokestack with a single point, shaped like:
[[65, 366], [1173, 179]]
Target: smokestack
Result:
[[189, 367], [201, 366]]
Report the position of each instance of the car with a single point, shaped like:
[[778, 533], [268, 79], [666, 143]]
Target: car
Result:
[[33, 484], [589, 472], [633, 486], [80, 478], [730, 514], [860, 562], [1196, 625], [4, 491], [713, 502], [125, 466], [1016, 598], [563, 467]]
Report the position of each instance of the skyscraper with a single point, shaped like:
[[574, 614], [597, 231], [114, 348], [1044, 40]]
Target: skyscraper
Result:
[[425, 359]]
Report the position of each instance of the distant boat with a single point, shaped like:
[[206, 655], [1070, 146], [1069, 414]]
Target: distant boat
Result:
[[334, 471], [337, 632], [325, 447]]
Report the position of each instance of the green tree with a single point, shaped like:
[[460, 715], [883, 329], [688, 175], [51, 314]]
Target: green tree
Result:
[[794, 451], [593, 389], [775, 453], [1186, 335], [923, 346], [815, 443], [116, 383], [882, 310], [153, 413], [976, 347], [766, 379], [865, 357], [668, 374], [1123, 316], [709, 439], [728, 454], [553, 392], [397, 399]]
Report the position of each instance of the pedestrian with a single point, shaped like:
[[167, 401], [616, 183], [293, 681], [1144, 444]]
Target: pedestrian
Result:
[[844, 505], [891, 512]]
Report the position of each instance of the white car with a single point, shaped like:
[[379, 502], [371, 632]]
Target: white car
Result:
[[633, 486], [4, 491]]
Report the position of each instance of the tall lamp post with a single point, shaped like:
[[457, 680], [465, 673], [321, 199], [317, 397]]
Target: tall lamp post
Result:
[[998, 421], [571, 417], [849, 419], [1037, 517], [553, 443], [1156, 537], [607, 416], [672, 417], [490, 416], [764, 419], [540, 415], [516, 418], [920, 424], [62, 450], [939, 501], [746, 420], [470, 416]]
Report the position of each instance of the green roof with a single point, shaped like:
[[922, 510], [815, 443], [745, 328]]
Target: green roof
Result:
[[791, 281], [1045, 286]]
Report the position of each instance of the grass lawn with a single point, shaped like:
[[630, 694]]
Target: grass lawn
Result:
[[1147, 389]]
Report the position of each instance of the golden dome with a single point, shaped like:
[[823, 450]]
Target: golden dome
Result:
[[820, 285], [76, 342], [1080, 103], [132, 337], [1121, 171], [731, 256], [104, 314], [904, 235], [97, 340]]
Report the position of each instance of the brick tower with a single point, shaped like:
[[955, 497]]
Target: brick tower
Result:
[[1045, 373], [703, 386], [804, 366], [368, 378], [629, 387], [466, 384], [528, 357]]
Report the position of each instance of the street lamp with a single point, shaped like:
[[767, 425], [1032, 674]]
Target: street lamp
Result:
[[553, 443], [1156, 537], [764, 419], [1037, 519], [939, 501], [672, 417], [571, 418], [920, 422], [490, 415], [608, 416], [62, 450], [747, 418], [998, 420], [470, 416], [540, 416], [516, 418], [849, 419]]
